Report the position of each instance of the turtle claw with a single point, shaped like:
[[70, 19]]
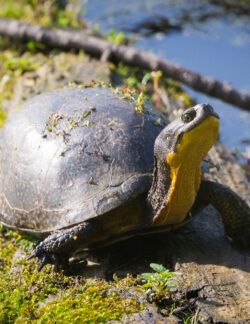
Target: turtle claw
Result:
[[48, 257], [44, 261], [58, 247], [33, 254]]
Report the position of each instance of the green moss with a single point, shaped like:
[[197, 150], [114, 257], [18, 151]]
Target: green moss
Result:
[[143, 80], [24, 291], [117, 38], [19, 63], [2, 117], [93, 303], [14, 58], [176, 91], [45, 13], [14, 63]]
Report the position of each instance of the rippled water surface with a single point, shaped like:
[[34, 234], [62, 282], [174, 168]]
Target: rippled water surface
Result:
[[208, 37]]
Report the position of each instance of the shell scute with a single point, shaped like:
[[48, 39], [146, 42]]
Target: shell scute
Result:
[[57, 142]]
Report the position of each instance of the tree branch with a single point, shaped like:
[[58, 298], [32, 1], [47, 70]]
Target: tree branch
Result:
[[77, 39]]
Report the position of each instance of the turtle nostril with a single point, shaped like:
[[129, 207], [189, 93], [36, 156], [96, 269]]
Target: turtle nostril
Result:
[[208, 107]]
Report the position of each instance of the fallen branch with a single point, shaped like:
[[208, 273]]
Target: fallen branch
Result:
[[77, 39]]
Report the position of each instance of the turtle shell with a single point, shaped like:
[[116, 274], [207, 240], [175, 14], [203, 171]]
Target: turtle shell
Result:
[[74, 154]]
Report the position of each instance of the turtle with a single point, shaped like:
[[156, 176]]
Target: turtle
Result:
[[84, 166]]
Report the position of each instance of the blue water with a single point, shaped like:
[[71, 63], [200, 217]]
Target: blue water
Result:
[[218, 46]]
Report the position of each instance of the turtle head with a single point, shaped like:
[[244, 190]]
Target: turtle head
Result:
[[195, 131], [179, 150]]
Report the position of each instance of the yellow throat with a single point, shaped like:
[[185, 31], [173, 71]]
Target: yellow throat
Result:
[[185, 171]]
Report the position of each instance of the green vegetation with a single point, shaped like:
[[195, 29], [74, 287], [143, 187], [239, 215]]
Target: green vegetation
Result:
[[27, 295], [14, 63], [16, 58], [2, 117], [117, 38], [152, 82], [159, 283], [94, 302], [50, 13]]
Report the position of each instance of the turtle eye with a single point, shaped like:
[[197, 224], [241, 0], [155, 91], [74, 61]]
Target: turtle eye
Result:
[[188, 116]]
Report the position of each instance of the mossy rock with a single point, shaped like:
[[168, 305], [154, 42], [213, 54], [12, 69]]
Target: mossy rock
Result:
[[57, 71], [29, 296]]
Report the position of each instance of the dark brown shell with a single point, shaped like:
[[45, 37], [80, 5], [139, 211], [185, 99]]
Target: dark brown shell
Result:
[[71, 155]]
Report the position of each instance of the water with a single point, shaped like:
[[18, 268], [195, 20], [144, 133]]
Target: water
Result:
[[204, 37]]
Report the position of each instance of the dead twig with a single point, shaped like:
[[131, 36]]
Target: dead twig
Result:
[[77, 39], [184, 308]]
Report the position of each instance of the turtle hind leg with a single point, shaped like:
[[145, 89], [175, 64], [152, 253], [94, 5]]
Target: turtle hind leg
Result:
[[234, 210], [58, 247]]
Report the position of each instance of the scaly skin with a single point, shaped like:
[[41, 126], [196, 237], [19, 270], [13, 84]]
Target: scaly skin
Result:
[[234, 210], [57, 248]]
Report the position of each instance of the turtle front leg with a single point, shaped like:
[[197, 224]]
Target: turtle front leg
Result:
[[58, 247], [234, 210]]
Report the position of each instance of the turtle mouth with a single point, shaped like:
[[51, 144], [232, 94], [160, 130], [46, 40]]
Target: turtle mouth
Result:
[[208, 128], [199, 139]]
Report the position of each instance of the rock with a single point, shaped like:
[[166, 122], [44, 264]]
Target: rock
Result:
[[221, 273], [19, 255], [58, 71], [47, 300], [149, 315]]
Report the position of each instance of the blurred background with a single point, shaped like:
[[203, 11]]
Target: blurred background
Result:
[[209, 37]]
